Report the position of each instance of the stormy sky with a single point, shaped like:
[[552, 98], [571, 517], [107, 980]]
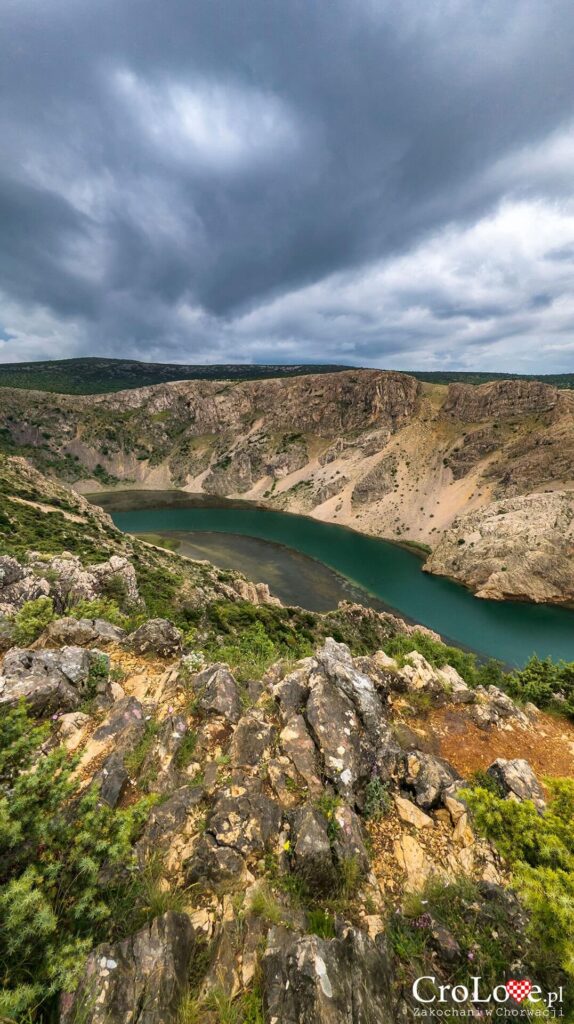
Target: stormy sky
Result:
[[376, 182]]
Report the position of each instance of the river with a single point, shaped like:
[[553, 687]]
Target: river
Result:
[[317, 564]]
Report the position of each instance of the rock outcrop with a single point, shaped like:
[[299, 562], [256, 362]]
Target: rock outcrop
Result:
[[498, 400], [518, 548], [141, 979], [286, 819]]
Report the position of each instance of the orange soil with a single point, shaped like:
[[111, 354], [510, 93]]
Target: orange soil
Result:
[[548, 743]]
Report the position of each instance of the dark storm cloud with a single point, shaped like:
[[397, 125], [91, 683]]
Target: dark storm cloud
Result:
[[221, 180]]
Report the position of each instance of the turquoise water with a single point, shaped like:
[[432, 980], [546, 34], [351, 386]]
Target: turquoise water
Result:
[[510, 631]]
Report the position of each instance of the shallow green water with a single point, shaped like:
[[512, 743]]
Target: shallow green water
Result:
[[509, 631]]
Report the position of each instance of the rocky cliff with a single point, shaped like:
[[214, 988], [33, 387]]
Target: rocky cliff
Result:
[[519, 548], [375, 450]]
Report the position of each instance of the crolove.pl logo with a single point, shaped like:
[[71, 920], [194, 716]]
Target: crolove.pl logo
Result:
[[505, 1000]]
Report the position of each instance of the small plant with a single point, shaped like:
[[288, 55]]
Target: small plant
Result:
[[320, 923], [32, 619], [263, 904], [185, 751], [377, 799], [192, 662], [350, 875], [135, 759], [328, 806]]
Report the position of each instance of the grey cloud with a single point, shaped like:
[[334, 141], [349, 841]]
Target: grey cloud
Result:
[[214, 157]]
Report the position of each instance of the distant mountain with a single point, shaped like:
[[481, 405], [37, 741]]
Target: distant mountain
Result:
[[96, 376]]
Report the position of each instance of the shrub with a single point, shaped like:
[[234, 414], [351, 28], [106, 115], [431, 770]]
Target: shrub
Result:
[[546, 683], [540, 850], [54, 842], [32, 620], [256, 639], [99, 608]]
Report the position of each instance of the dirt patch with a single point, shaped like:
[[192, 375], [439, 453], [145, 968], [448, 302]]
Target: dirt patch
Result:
[[547, 745]]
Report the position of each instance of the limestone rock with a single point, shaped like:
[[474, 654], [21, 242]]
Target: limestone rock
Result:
[[428, 776], [295, 741], [411, 814], [82, 632], [218, 693], [312, 857], [157, 636], [345, 980], [50, 681], [251, 739], [413, 861], [145, 974], [520, 547], [124, 725], [518, 781]]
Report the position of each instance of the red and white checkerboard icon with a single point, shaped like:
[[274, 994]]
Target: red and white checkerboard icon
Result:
[[518, 990]]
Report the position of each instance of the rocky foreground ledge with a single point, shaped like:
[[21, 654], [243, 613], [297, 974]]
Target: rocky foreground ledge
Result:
[[293, 820]]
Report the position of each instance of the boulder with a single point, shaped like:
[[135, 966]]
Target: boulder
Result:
[[112, 779], [213, 865], [141, 979], [82, 632], [217, 693], [296, 743], [157, 636], [10, 571], [518, 781], [19, 584], [428, 776], [50, 681], [411, 814], [345, 980], [244, 823], [414, 862], [167, 820]]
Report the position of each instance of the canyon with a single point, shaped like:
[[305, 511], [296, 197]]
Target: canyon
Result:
[[379, 451]]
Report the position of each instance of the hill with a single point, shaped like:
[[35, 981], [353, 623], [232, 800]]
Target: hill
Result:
[[96, 376]]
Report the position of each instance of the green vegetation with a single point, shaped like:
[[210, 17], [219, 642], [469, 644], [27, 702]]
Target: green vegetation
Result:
[[545, 683], [247, 1008], [540, 851], [32, 619], [251, 637], [95, 376], [377, 800], [439, 655], [91, 376], [486, 938], [558, 380], [320, 923], [100, 608], [186, 750], [54, 843]]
